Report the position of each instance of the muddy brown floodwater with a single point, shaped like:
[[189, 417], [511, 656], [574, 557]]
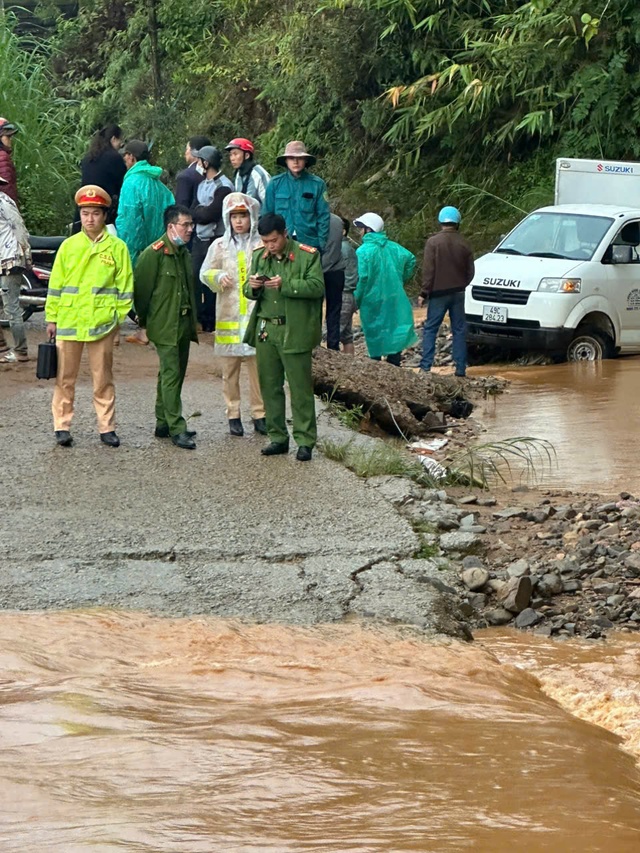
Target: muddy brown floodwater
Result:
[[132, 733], [589, 411]]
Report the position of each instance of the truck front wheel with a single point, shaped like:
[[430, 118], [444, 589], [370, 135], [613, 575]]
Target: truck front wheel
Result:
[[589, 345]]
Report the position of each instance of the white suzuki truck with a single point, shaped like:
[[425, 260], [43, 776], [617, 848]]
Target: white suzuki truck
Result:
[[566, 280]]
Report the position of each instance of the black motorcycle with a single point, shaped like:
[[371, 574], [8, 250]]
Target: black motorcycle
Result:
[[35, 282]]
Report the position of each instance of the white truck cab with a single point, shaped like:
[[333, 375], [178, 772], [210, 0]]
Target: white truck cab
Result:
[[566, 280]]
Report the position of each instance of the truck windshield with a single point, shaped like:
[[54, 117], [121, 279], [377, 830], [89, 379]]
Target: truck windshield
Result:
[[557, 235]]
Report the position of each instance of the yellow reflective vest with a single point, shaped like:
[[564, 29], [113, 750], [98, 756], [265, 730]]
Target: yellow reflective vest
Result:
[[91, 287]]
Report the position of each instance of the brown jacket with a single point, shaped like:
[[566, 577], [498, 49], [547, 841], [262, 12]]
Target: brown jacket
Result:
[[448, 264]]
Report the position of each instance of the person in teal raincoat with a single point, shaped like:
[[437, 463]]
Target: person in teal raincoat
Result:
[[141, 206], [143, 200], [384, 267]]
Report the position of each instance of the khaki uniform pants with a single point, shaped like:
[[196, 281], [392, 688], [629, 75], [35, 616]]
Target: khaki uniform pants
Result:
[[104, 394], [231, 385]]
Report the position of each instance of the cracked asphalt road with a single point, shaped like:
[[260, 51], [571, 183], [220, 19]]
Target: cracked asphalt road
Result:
[[220, 530]]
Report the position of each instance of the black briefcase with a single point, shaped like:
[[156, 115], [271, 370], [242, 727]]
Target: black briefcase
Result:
[[47, 367]]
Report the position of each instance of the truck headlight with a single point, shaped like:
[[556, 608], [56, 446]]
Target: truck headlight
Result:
[[560, 285]]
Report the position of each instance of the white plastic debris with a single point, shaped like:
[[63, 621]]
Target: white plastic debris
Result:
[[431, 446], [424, 450], [435, 469]]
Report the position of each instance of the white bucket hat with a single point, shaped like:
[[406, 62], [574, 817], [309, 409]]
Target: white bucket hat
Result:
[[370, 220]]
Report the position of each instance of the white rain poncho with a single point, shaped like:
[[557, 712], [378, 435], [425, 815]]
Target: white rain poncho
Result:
[[231, 255]]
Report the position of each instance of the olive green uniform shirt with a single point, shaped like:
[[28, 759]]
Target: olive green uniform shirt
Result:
[[299, 299]]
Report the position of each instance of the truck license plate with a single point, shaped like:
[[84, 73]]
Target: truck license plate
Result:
[[494, 314]]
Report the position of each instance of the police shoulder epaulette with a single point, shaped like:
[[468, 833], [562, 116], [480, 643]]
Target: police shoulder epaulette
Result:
[[157, 245], [305, 248]]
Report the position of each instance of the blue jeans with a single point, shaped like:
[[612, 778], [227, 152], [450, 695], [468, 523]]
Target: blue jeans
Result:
[[436, 309]]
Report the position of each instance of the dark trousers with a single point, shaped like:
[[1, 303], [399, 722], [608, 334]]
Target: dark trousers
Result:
[[205, 298], [395, 358], [333, 287]]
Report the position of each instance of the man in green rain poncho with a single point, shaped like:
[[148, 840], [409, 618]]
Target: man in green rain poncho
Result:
[[384, 267]]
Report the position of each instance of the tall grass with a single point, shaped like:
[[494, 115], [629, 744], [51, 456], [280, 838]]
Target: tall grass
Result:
[[513, 460], [46, 151]]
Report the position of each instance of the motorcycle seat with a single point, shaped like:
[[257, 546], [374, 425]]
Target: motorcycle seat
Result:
[[52, 243]]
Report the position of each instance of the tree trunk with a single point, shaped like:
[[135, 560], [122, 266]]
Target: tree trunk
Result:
[[155, 53], [399, 401]]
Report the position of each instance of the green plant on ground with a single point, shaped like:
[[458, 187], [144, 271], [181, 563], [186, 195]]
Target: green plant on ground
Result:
[[349, 416], [507, 461], [419, 525], [426, 551], [524, 458], [378, 460]]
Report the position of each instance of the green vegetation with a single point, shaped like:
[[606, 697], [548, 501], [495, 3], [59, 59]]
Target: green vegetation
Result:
[[349, 416], [367, 461], [47, 148], [409, 105], [507, 461], [427, 550]]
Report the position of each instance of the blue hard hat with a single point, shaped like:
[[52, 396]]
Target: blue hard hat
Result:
[[449, 215]]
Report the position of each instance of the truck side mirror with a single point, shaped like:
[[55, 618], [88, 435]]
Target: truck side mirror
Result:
[[622, 254]]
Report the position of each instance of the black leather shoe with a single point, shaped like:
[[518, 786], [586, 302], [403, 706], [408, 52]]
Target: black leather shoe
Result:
[[110, 439], [184, 441], [163, 432], [260, 425], [235, 426], [303, 454], [63, 438], [274, 449]]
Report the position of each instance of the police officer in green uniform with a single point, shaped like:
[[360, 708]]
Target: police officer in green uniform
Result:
[[165, 303], [287, 283]]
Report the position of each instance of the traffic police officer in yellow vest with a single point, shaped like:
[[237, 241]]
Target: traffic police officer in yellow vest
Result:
[[166, 307], [90, 294], [287, 283]]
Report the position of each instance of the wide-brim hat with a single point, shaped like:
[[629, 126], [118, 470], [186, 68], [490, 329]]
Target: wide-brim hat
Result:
[[92, 196], [295, 149]]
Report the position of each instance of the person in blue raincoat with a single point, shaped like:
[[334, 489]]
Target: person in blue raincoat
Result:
[[299, 197], [384, 268]]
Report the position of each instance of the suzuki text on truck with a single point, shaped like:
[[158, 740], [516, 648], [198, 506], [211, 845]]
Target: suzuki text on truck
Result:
[[566, 280]]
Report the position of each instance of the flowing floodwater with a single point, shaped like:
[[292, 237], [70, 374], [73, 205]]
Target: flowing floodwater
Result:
[[589, 411], [123, 732]]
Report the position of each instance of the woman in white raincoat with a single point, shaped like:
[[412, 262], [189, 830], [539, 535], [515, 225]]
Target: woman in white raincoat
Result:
[[225, 270]]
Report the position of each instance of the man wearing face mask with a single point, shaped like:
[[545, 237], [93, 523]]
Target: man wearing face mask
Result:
[[166, 305]]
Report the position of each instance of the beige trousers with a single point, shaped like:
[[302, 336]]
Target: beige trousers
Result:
[[231, 385], [101, 366]]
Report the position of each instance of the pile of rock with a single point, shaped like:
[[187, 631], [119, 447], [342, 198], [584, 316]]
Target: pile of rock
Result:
[[558, 568]]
